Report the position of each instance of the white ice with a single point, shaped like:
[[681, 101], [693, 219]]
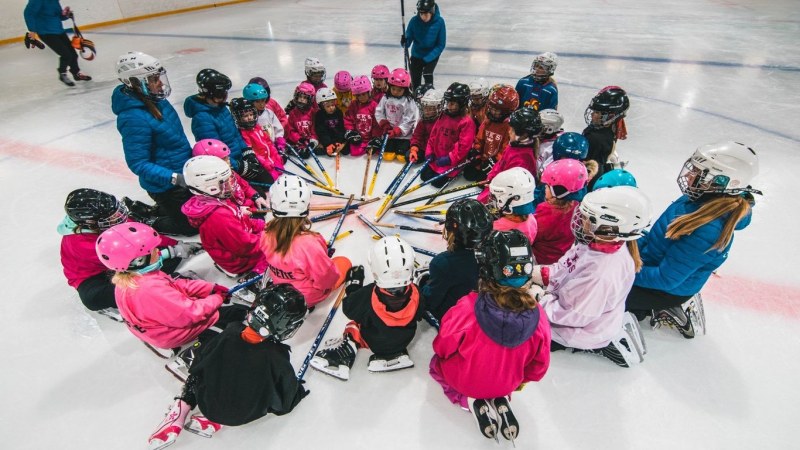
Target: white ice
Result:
[[697, 72]]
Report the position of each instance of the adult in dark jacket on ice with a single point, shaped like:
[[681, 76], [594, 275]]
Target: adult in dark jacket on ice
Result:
[[43, 19], [426, 35]]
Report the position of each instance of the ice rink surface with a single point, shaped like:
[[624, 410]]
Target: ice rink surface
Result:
[[696, 72]]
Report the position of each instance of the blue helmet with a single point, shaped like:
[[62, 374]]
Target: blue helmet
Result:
[[570, 145], [616, 177], [254, 92]]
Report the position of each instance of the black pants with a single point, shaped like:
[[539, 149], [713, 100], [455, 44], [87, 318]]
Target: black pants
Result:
[[97, 292], [68, 57], [641, 301], [428, 173], [171, 219], [398, 146], [420, 69], [477, 171], [227, 314]]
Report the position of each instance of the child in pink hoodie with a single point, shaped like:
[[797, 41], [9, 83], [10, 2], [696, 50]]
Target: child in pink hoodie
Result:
[[228, 233], [359, 121], [561, 178], [300, 129], [295, 254], [512, 199], [495, 340], [246, 116], [244, 194], [452, 136], [161, 311]]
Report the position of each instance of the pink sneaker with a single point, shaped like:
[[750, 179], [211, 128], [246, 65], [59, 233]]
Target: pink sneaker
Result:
[[201, 426], [169, 428]]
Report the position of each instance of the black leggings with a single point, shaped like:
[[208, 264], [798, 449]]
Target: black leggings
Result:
[[68, 58], [428, 173], [171, 219], [644, 299], [420, 69]]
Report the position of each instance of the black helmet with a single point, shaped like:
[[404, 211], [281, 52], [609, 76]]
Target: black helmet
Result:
[[278, 311], [241, 105], [95, 210], [469, 220], [213, 84], [504, 255], [420, 91], [459, 93], [612, 102], [425, 6], [526, 121]]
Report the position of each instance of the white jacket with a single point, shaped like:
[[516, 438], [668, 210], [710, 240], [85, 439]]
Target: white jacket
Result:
[[585, 298], [400, 112], [269, 122]]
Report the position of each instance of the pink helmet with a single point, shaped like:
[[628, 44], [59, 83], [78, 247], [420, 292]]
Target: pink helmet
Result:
[[570, 174], [343, 81], [400, 77], [305, 88], [361, 85], [120, 245], [211, 147], [380, 71]]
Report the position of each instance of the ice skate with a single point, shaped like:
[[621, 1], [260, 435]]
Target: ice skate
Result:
[[65, 79], [80, 76], [179, 364], [507, 422], [337, 358], [201, 426], [163, 353], [684, 318], [630, 325], [484, 414], [111, 313], [169, 428], [388, 363], [616, 350]]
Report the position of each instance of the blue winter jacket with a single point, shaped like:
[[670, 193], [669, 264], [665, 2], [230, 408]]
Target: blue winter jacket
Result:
[[428, 39], [546, 94], [215, 122], [44, 17], [154, 149], [681, 267]]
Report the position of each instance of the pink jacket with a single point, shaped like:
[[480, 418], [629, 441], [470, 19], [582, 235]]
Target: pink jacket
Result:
[[167, 312], [306, 265], [512, 157], [361, 118], [275, 107], [243, 193], [555, 233], [529, 227], [453, 137], [585, 297], [230, 237], [301, 125], [265, 150], [475, 365], [79, 258]]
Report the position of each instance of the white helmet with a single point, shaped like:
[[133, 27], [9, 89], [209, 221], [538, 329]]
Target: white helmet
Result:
[[512, 191], [479, 87], [289, 196], [548, 60], [147, 71], [552, 121], [208, 175], [392, 263], [619, 213], [313, 66], [324, 95], [725, 168], [432, 98]]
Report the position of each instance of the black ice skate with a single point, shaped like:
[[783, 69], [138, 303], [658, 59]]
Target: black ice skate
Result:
[[139, 209], [484, 414], [337, 358], [689, 318], [612, 352], [507, 422], [180, 363], [111, 313], [388, 363]]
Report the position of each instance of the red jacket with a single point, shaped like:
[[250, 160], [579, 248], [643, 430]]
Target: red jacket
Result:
[[555, 236], [230, 237], [513, 156], [491, 139], [422, 133], [453, 137]]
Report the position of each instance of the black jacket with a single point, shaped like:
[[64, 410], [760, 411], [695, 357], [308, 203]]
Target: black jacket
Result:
[[452, 276], [329, 127]]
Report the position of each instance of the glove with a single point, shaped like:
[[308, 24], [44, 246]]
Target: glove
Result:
[[413, 154], [251, 168], [223, 292], [385, 125], [261, 203], [302, 142], [32, 40], [403, 40], [443, 161], [536, 291], [541, 275], [395, 132], [280, 144], [313, 143], [330, 149], [473, 152], [354, 279], [352, 136], [184, 249], [67, 13], [331, 251], [177, 180], [375, 142]]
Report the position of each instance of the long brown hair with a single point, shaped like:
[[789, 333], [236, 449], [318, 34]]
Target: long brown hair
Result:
[[285, 229], [506, 297], [136, 90], [633, 249], [737, 207]]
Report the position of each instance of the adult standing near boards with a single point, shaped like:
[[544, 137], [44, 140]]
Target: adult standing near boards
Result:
[[426, 35]]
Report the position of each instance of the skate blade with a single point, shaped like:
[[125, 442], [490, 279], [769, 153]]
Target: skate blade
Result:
[[341, 374], [390, 366], [161, 353]]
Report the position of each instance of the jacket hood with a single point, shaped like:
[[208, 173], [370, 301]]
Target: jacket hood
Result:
[[193, 105], [121, 101], [199, 207], [507, 328]]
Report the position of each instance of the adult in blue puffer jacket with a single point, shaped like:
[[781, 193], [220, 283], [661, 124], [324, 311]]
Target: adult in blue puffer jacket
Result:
[[153, 140], [43, 19], [693, 236], [426, 35]]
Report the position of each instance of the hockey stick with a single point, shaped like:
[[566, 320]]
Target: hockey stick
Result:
[[396, 180], [341, 220], [437, 212], [430, 218], [407, 228], [302, 372], [433, 321], [245, 284], [344, 235], [445, 201], [448, 191], [405, 46], [410, 182], [366, 173], [321, 168], [378, 164], [298, 161], [443, 174], [310, 181], [331, 195], [336, 212], [380, 233], [338, 164], [439, 192], [395, 184]]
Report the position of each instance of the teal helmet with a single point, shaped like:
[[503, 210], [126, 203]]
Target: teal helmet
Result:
[[616, 177], [255, 92]]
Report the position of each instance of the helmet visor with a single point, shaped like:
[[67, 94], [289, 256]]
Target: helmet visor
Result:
[[156, 85]]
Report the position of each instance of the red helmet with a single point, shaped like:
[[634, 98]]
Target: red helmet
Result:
[[504, 99], [380, 72], [400, 78]]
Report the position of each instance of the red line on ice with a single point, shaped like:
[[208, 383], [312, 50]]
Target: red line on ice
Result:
[[94, 164], [754, 294]]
